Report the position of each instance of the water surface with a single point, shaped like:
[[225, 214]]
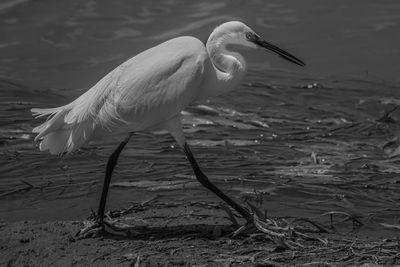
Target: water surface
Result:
[[256, 143]]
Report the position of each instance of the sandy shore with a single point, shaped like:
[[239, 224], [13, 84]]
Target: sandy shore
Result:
[[200, 236]]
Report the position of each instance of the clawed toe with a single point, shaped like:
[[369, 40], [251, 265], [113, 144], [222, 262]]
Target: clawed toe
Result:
[[98, 228], [90, 229]]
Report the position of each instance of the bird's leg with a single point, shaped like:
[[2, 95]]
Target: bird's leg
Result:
[[203, 179], [112, 161], [93, 228]]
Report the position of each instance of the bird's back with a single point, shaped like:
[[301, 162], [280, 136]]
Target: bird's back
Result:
[[139, 94]]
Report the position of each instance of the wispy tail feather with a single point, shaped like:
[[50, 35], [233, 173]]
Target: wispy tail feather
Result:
[[59, 136], [40, 112], [54, 121], [54, 142]]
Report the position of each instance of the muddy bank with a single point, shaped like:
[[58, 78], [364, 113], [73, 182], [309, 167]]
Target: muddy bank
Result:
[[198, 234]]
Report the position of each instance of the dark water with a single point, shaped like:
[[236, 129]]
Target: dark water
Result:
[[256, 143]]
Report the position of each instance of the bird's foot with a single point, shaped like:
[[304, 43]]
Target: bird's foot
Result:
[[284, 233], [98, 228]]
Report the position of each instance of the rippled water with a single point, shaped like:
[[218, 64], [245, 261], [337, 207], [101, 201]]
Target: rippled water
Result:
[[256, 143]]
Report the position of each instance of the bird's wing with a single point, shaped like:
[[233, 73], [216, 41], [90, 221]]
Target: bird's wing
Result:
[[147, 89]]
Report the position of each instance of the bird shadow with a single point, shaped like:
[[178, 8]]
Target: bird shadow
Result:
[[188, 231], [159, 220]]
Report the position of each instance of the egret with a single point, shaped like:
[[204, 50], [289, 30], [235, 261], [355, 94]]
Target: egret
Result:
[[148, 91]]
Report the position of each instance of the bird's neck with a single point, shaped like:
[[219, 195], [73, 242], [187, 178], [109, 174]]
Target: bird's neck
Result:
[[230, 66]]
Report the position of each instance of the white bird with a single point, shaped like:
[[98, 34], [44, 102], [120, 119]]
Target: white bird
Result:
[[148, 91]]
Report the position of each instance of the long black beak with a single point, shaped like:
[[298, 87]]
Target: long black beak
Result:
[[282, 53]]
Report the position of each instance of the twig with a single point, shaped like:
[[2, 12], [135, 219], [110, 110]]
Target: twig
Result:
[[391, 226], [263, 229], [386, 117], [16, 191], [331, 213], [150, 200], [257, 211], [315, 224], [28, 184], [304, 236]]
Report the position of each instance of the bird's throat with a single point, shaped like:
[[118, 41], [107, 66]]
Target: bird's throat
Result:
[[229, 67]]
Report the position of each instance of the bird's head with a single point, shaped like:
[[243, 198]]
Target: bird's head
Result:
[[238, 33]]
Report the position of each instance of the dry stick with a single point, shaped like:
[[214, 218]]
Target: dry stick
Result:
[[331, 213], [289, 244], [272, 229], [138, 260], [315, 224], [386, 116], [27, 188], [281, 237], [262, 215], [241, 229], [318, 263], [263, 229], [255, 210], [304, 236], [339, 128], [28, 184], [14, 191], [150, 200]]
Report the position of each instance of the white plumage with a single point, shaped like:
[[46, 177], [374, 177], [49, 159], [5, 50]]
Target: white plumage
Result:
[[150, 89], [130, 98]]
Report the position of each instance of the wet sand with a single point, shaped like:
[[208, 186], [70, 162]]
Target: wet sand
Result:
[[195, 234]]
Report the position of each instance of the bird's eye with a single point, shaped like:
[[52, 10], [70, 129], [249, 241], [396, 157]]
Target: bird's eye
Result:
[[249, 36]]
